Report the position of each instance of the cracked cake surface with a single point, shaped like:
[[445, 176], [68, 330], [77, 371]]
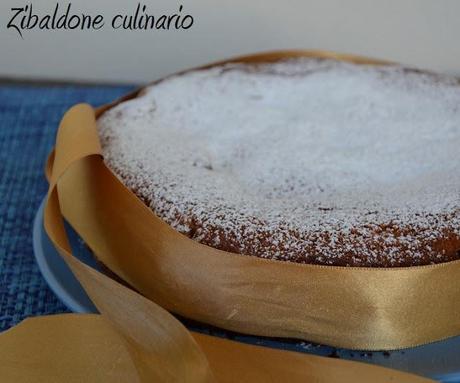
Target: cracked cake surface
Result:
[[302, 160]]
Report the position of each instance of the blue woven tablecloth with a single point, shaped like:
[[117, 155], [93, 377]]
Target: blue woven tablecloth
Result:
[[29, 116]]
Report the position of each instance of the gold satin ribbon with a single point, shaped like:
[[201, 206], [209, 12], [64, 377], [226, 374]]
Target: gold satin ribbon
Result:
[[86, 348], [137, 340]]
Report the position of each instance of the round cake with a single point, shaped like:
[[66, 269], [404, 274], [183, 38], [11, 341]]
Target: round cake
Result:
[[303, 160]]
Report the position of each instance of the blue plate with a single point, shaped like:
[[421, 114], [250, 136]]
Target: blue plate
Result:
[[56, 272], [439, 360]]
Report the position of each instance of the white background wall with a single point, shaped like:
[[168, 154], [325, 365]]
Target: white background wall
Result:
[[425, 33]]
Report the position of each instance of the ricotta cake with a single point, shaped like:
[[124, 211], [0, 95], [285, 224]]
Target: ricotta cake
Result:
[[303, 160]]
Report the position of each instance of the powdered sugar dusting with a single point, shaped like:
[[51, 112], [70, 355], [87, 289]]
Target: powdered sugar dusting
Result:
[[303, 160]]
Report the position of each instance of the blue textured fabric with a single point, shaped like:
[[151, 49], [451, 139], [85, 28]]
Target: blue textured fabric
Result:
[[29, 116]]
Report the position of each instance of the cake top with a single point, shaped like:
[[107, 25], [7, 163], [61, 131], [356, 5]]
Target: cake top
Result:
[[300, 154]]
